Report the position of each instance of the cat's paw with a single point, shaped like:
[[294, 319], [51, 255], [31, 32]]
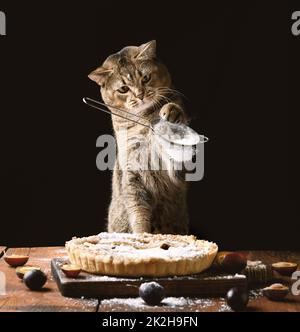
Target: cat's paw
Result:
[[172, 112]]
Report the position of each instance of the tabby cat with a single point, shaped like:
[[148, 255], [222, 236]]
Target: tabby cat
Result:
[[152, 201]]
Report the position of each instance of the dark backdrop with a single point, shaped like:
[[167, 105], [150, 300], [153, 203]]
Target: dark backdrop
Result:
[[230, 60]]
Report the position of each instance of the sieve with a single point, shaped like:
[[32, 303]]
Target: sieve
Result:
[[177, 134]]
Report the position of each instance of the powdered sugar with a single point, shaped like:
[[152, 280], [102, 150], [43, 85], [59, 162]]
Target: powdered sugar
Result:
[[138, 302], [138, 246], [194, 304], [172, 252], [226, 276], [176, 133], [255, 293]]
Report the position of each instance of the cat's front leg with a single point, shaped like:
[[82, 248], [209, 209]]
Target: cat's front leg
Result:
[[138, 201], [139, 219], [172, 112]]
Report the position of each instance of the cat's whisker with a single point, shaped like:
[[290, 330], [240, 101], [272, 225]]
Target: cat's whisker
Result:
[[157, 103], [171, 91], [150, 94], [164, 98], [161, 99]]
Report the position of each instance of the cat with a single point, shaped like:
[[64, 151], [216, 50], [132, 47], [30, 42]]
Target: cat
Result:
[[152, 201]]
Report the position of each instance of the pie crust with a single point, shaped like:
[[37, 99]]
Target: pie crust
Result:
[[135, 255]]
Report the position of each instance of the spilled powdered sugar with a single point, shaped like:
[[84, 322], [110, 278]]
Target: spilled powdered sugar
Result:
[[198, 304], [255, 293], [226, 276], [137, 302]]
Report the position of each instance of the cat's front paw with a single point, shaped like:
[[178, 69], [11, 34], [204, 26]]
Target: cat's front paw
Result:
[[172, 112]]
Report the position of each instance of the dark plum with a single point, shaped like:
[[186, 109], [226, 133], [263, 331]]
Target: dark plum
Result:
[[35, 279], [152, 292], [237, 298], [233, 262]]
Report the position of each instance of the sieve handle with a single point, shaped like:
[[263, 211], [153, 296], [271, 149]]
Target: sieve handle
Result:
[[95, 104]]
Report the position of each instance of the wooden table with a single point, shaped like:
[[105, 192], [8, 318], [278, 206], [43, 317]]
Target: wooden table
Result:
[[19, 298]]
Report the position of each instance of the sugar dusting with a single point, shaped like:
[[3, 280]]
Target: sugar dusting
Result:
[[182, 150], [137, 302], [143, 246], [198, 304], [178, 141], [176, 133], [255, 293], [79, 304]]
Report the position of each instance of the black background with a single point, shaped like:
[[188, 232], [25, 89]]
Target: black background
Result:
[[229, 59]]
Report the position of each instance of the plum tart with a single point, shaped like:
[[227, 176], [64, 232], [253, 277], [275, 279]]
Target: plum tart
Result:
[[135, 255]]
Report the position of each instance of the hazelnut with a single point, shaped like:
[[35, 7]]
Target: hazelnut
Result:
[[276, 292], [285, 268], [16, 260]]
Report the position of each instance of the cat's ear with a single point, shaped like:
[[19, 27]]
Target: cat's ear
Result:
[[99, 75], [147, 51]]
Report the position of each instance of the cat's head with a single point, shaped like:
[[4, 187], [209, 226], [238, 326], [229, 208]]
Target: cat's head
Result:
[[133, 78]]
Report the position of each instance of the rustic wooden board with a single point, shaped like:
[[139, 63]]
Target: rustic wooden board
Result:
[[19, 298], [89, 285]]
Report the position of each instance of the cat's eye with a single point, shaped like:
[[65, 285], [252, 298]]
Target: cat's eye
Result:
[[146, 78], [123, 89]]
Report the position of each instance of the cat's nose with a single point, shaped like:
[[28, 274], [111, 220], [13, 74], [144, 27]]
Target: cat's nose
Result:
[[140, 95]]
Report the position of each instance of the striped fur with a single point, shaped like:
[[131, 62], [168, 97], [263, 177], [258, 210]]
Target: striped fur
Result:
[[151, 201]]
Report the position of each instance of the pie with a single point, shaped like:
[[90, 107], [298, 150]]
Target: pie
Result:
[[135, 255]]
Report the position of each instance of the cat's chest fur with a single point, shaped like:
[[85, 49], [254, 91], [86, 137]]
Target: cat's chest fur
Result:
[[134, 148], [138, 153]]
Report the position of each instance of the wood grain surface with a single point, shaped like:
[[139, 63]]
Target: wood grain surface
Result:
[[19, 298], [257, 302]]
